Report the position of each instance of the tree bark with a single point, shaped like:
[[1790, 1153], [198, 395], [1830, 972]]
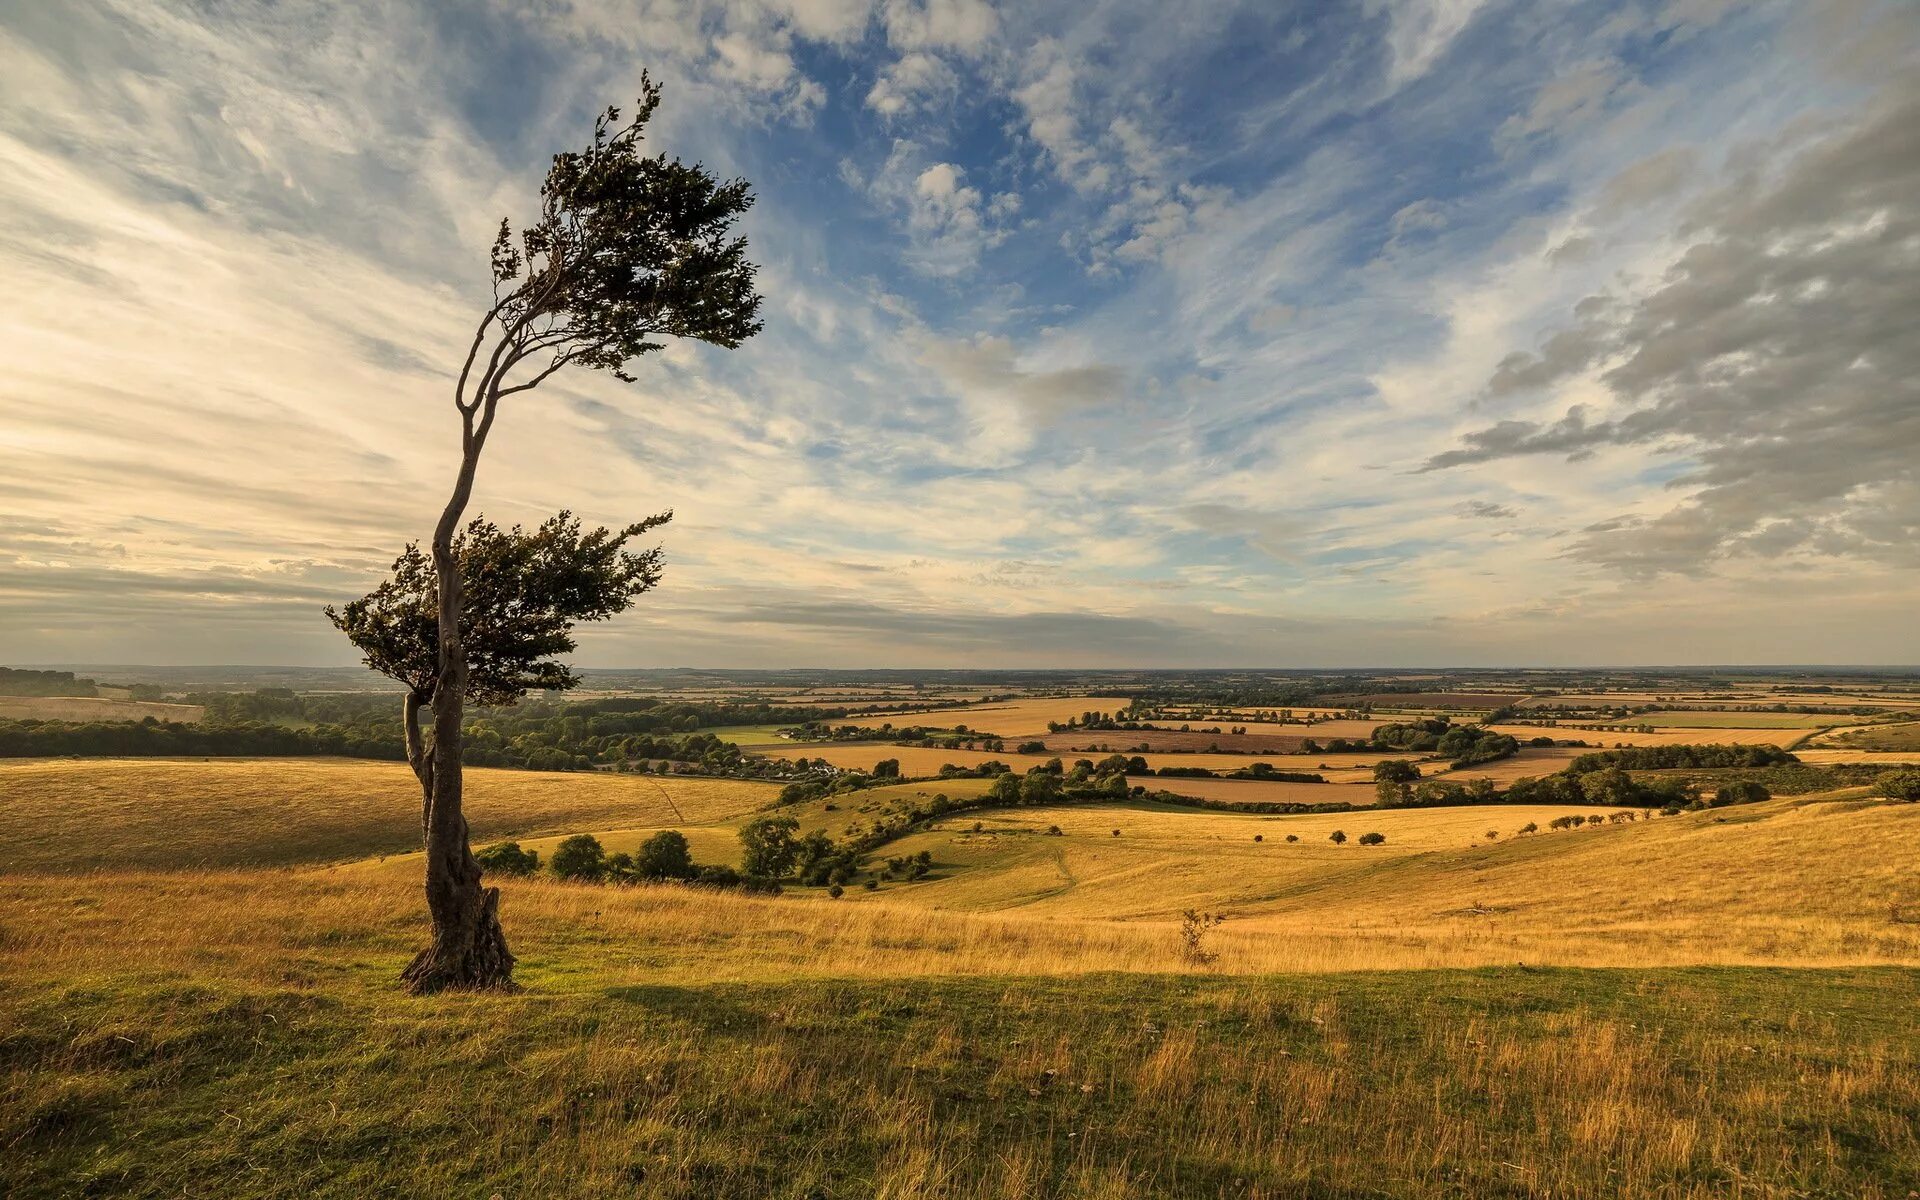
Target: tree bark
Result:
[[468, 950]]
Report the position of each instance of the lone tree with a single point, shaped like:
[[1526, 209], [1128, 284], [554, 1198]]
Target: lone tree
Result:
[[628, 250]]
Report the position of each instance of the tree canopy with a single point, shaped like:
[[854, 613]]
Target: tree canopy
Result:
[[524, 592]]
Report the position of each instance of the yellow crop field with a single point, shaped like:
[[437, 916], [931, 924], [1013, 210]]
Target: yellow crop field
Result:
[[1605, 737], [94, 708], [1828, 756], [1006, 718], [1526, 763], [74, 814], [1258, 791]]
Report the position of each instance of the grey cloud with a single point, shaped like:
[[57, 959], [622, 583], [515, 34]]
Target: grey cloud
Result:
[[989, 366], [1651, 179], [1485, 510], [1779, 352]]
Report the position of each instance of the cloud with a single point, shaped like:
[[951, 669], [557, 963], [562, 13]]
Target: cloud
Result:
[[911, 82], [1775, 353], [1419, 32]]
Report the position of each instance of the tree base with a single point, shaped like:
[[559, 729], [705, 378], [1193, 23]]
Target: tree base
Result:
[[473, 958]]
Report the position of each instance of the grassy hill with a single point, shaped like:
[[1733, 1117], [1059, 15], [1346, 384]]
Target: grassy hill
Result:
[[197, 964]]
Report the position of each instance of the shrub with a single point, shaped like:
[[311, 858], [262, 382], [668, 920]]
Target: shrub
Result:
[[1741, 791], [1116, 833], [1338, 837], [664, 856], [1293, 837], [580, 857], [508, 858], [1054, 831], [1372, 839], [836, 891], [1030, 748], [887, 768], [717, 877], [1194, 927], [1259, 837], [1530, 827], [1899, 785]]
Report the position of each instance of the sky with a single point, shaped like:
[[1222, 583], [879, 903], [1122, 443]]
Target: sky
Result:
[[1106, 333]]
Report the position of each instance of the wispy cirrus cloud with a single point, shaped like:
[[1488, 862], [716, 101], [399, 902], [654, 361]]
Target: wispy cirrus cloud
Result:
[[1104, 333]]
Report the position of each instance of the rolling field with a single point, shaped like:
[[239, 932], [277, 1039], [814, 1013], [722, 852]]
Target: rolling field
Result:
[[1710, 1005], [1605, 737], [94, 708], [1737, 720], [1258, 791], [1006, 718], [918, 760], [1525, 763], [76, 814]]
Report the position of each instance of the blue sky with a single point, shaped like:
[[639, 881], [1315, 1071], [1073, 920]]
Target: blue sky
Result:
[[1397, 332]]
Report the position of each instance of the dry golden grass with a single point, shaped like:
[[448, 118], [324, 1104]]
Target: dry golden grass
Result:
[[1005, 718], [1827, 756], [1258, 791], [1528, 763], [1606, 737], [1780, 883], [94, 708], [71, 814]]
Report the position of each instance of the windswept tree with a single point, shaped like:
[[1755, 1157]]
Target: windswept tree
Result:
[[629, 250]]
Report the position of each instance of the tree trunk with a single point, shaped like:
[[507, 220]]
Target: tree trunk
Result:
[[468, 951]]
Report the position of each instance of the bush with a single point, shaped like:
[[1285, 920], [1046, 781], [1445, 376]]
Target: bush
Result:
[[717, 877], [1741, 791], [580, 857], [1293, 837], [1054, 831], [1373, 839], [508, 859], [1338, 837], [836, 891], [664, 856], [1899, 785], [1259, 837]]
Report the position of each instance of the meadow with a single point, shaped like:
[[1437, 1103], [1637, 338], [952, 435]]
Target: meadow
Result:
[[94, 708], [197, 961]]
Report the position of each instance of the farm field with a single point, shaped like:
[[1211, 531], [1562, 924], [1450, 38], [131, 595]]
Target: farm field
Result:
[[1827, 756], [1903, 738], [1259, 791], [934, 1037], [1527, 762], [93, 708], [1738, 720], [1007, 718], [63, 814], [1126, 741], [1606, 737], [920, 760]]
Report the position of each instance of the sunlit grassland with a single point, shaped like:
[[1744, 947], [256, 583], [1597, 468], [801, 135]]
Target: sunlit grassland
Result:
[[1022, 1023], [77, 813], [240, 1029]]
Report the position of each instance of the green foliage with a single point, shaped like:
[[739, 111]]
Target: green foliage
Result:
[[1338, 837], [580, 857], [1667, 758], [1740, 791], [524, 592], [508, 858], [665, 855], [1899, 785], [768, 845]]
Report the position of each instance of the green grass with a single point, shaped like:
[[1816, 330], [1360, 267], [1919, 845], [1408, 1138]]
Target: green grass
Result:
[[1482, 1083]]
